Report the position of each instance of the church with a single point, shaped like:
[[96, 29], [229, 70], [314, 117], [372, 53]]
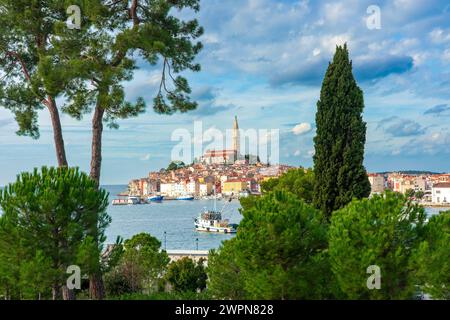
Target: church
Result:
[[226, 156]]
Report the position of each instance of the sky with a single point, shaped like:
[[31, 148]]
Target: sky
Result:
[[264, 61]]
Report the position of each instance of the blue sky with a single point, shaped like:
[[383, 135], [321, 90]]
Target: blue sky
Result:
[[264, 61]]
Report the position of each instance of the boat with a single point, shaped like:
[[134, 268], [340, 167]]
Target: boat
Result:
[[211, 221], [134, 200], [185, 197], [119, 202], [155, 198]]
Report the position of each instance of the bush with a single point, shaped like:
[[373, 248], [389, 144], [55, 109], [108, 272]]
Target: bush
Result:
[[224, 276], [140, 267], [186, 276]]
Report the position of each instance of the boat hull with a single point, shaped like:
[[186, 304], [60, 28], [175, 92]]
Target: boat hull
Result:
[[185, 198], [213, 229], [155, 198]]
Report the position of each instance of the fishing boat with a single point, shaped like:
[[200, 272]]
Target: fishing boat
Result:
[[211, 221], [155, 198]]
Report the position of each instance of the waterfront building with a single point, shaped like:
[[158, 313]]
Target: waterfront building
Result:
[[440, 193], [377, 183], [149, 186], [234, 186], [403, 183], [173, 189], [193, 187], [134, 187], [205, 189]]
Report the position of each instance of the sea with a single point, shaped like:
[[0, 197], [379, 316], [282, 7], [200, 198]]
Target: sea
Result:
[[172, 221]]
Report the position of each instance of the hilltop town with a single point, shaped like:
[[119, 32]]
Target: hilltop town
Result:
[[242, 178], [224, 172], [200, 180], [227, 172]]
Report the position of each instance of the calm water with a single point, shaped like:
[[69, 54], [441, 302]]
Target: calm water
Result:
[[176, 218]]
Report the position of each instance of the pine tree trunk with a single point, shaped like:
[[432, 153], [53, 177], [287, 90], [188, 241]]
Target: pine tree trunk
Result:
[[97, 131], [56, 292], [57, 132], [96, 287], [67, 293]]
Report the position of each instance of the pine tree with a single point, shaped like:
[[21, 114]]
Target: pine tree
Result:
[[49, 218], [340, 138]]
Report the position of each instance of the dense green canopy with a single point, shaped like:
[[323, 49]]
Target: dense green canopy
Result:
[[340, 137]]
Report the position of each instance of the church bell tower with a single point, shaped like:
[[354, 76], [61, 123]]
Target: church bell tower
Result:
[[236, 138]]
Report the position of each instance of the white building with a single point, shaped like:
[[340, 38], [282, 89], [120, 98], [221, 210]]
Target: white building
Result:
[[193, 187], [205, 189], [441, 193], [173, 189], [377, 184]]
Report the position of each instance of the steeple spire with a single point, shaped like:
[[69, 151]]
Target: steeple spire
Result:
[[235, 144]]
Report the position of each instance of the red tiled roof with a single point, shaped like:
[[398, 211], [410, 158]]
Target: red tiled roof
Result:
[[442, 185]]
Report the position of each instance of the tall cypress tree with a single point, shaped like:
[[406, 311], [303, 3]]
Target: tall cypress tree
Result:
[[340, 138]]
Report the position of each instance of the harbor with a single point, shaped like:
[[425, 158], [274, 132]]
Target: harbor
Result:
[[172, 222]]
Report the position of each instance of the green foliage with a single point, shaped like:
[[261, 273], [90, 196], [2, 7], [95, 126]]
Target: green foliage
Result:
[[140, 267], [36, 275], [117, 283], [382, 231], [44, 59], [174, 165], [299, 181], [151, 32], [185, 275], [410, 193], [432, 259], [224, 276], [340, 137], [419, 195], [33, 35], [52, 217], [174, 295], [279, 252]]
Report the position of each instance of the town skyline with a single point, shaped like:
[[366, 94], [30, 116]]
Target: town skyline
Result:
[[274, 83]]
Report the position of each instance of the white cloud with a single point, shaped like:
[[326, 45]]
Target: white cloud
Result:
[[329, 42], [301, 128], [145, 157], [210, 38], [446, 55], [334, 12], [439, 36], [297, 153]]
